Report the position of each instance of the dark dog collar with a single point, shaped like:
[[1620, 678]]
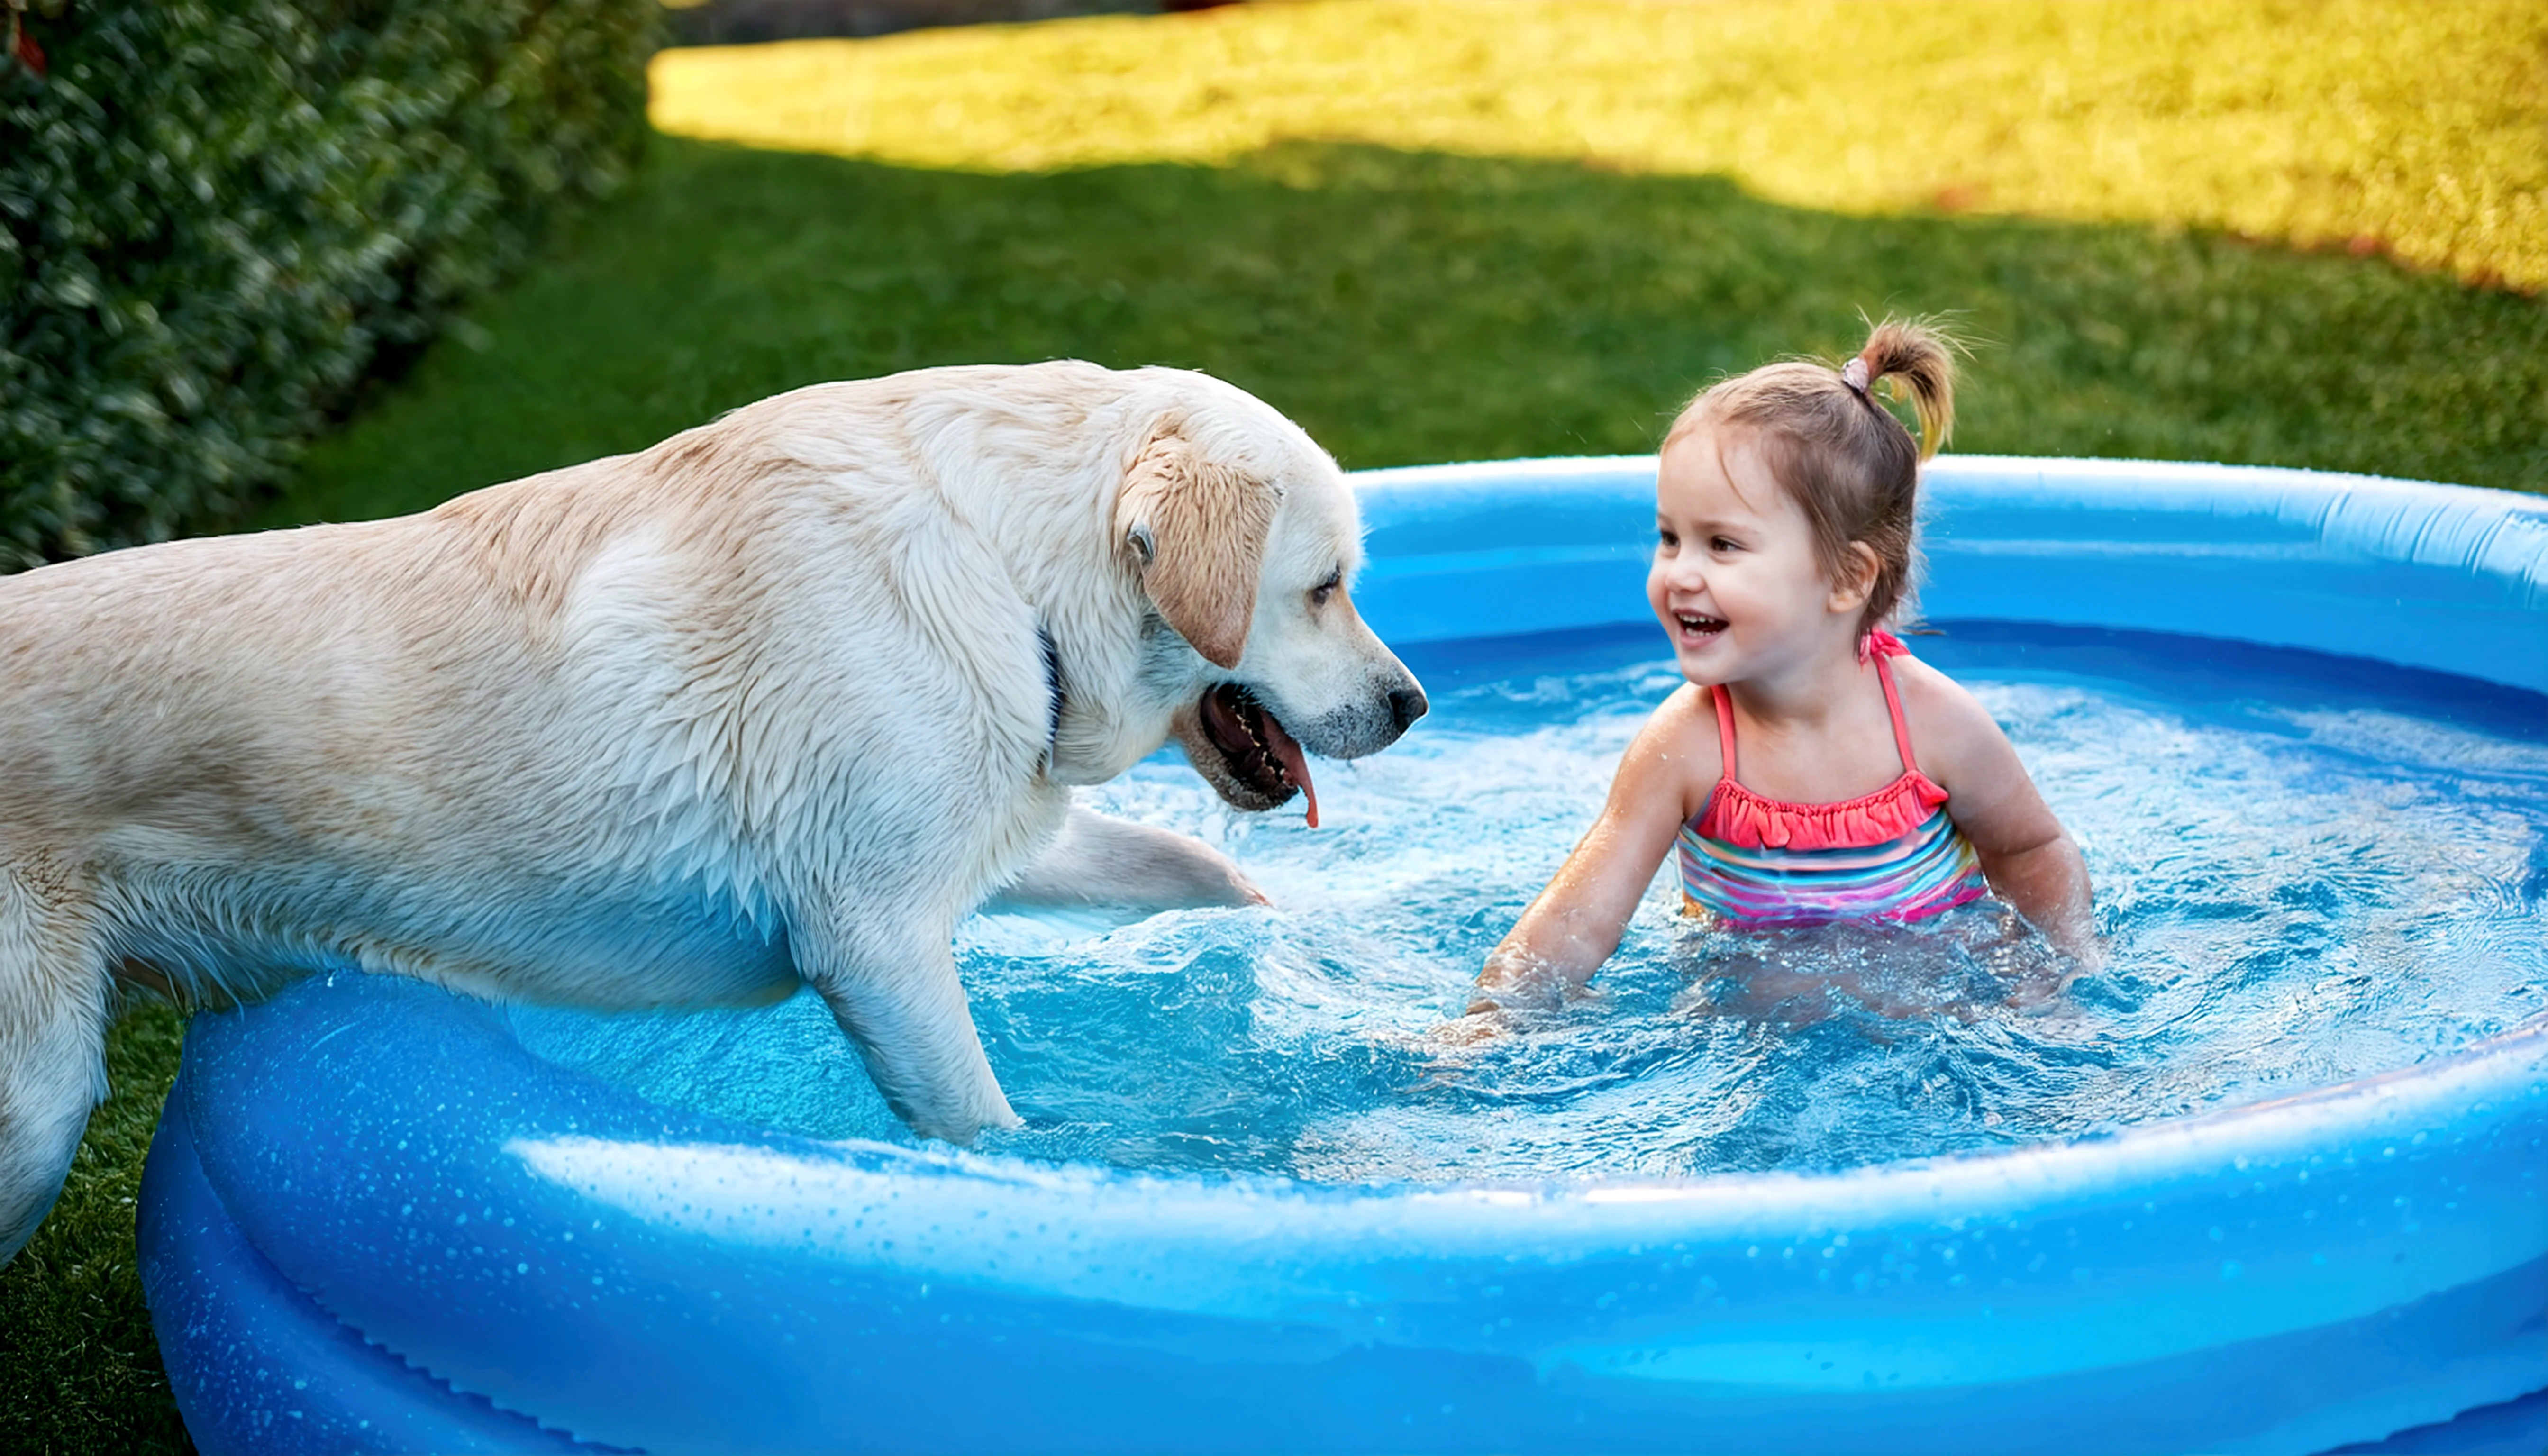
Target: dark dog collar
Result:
[[1053, 695]]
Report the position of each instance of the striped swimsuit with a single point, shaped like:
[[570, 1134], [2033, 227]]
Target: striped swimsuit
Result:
[[1891, 854]]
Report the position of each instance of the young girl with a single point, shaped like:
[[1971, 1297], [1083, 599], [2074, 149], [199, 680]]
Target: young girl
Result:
[[1812, 769]]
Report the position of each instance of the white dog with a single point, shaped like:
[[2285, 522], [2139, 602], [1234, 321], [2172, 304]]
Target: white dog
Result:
[[780, 700]]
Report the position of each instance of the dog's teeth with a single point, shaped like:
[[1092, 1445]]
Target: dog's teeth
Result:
[[1254, 761]]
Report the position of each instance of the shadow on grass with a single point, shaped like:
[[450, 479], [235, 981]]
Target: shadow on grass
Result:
[[1410, 307]]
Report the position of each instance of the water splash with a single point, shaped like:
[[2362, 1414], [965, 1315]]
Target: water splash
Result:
[[2298, 887]]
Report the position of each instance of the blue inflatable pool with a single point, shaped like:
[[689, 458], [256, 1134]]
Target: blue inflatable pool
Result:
[[375, 1219]]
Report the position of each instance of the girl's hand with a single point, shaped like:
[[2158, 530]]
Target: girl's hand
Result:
[[1515, 979], [1575, 923], [1480, 1024]]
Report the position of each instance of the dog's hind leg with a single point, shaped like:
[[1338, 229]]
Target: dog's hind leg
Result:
[[54, 997]]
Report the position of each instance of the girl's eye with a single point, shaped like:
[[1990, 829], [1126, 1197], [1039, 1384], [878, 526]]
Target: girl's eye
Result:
[[1667, 540], [1725, 543]]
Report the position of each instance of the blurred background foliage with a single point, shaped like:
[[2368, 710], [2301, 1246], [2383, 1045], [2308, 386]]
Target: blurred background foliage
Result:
[[215, 217], [744, 21]]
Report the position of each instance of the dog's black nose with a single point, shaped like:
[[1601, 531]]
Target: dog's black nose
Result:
[[1406, 704]]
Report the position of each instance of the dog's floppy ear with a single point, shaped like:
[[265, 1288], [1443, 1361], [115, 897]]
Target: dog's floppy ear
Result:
[[1196, 532]]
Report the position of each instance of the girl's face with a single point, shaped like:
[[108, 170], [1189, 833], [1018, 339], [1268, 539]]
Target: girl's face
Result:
[[1734, 580]]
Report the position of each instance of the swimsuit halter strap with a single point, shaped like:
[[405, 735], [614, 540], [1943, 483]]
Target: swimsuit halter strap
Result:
[[1884, 647], [1724, 729], [1894, 706]]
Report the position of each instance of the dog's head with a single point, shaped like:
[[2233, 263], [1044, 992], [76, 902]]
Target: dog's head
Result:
[[1244, 537]]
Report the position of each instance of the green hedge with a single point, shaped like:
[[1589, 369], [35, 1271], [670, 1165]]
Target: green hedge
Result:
[[215, 215]]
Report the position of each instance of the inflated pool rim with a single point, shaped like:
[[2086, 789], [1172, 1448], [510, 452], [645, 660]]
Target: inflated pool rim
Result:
[[265, 1226]]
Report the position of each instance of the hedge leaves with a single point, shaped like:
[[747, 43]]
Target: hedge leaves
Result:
[[216, 213]]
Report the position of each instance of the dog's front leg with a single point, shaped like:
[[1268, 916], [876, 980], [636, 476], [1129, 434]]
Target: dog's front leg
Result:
[[896, 995], [1100, 861]]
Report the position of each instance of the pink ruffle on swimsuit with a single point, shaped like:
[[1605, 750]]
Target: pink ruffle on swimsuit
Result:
[[1891, 854]]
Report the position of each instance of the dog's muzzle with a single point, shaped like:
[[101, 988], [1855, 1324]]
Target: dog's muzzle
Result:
[[1256, 762]]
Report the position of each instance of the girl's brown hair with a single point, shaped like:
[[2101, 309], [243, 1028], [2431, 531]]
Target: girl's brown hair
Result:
[[1850, 464]]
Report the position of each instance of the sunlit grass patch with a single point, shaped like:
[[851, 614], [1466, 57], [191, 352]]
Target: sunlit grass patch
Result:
[[2407, 127]]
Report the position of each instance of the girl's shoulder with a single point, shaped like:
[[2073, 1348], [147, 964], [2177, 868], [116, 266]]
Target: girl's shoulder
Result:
[[1675, 754], [1951, 729], [1690, 709]]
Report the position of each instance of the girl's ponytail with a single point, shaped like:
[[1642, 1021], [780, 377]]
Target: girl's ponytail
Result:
[[1923, 359]]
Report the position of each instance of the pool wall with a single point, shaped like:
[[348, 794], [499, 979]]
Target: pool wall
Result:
[[374, 1221], [2444, 577]]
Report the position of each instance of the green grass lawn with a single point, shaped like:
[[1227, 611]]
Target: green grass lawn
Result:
[[1405, 306], [1408, 307]]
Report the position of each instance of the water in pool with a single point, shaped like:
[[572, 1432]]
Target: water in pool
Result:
[[2307, 869]]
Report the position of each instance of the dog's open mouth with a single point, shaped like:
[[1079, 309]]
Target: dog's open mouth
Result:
[[1259, 752]]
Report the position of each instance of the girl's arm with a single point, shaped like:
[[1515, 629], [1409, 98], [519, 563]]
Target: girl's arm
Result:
[[2029, 857], [1575, 923]]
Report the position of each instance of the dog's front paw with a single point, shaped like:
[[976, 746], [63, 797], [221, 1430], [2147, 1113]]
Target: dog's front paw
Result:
[[1238, 890], [963, 1126]]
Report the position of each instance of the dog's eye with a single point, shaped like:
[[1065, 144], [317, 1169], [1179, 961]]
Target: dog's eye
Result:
[[1319, 593]]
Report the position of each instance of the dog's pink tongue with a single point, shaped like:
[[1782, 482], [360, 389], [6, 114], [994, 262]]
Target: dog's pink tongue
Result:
[[1295, 766]]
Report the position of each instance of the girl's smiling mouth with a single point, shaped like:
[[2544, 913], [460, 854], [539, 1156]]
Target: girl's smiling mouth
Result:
[[1698, 624]]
